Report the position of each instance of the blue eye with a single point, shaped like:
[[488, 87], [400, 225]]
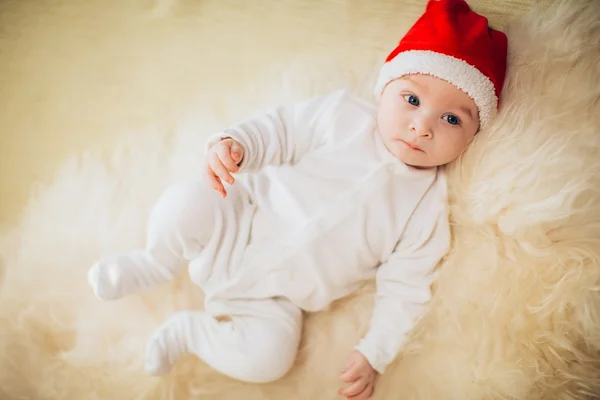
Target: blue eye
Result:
[[452, 119], [412, 100]]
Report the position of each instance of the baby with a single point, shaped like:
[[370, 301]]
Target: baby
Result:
[[331, 192]]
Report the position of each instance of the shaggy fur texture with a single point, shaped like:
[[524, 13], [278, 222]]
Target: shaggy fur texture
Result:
[[516, 313]]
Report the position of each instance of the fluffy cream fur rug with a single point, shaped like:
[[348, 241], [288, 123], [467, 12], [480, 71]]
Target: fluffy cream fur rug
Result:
[[517, 310]]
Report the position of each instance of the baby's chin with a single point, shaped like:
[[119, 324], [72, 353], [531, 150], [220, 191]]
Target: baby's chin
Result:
[[421, 161], [421, 166]]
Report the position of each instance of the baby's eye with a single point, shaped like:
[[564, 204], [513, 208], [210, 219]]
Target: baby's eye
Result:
[[411, 99], [452, 119]]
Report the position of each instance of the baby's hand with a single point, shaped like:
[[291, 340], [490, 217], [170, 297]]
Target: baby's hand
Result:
[[361, 376], [221, 160]]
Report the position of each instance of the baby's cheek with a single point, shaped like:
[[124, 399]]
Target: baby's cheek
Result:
[[454, 148], [391, 117]]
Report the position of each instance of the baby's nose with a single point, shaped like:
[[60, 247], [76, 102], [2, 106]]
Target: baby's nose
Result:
[[422, 127]]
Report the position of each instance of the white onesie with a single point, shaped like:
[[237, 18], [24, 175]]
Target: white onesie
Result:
[[319, 207]]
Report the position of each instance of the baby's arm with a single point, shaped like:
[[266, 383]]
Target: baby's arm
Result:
[[403, 284], [280, 135]]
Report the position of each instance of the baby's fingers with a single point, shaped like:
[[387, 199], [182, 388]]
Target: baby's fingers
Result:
[[357, 387], [366, 393], [214, 181], [219, 169], [351, 373], [225, 155]]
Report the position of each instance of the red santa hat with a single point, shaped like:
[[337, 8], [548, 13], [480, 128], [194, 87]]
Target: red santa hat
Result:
[[452, 42]]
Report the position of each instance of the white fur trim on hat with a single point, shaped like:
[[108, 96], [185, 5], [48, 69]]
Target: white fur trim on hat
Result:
[[453, 70]]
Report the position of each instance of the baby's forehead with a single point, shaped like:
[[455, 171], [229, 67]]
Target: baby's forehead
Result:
[[426, 79], [438, 85]]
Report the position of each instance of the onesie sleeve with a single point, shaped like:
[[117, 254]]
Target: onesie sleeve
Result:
[[282, 134], [404, 284]]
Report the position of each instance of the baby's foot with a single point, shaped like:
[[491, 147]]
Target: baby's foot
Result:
[[105, 279], [123, 274], [170, 342], [157, 357]]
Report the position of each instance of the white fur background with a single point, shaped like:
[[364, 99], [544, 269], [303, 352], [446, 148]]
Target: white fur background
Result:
[[516, 313]]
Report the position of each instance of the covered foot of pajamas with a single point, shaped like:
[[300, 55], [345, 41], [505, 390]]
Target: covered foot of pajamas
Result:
[[187, 221], [258, 340], [123, 274], [250, 348]]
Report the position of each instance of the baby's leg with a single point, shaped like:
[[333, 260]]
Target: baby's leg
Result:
[[258, 346], [188, 217]]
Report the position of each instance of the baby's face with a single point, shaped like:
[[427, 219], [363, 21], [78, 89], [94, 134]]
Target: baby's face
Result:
[[426, 121]]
